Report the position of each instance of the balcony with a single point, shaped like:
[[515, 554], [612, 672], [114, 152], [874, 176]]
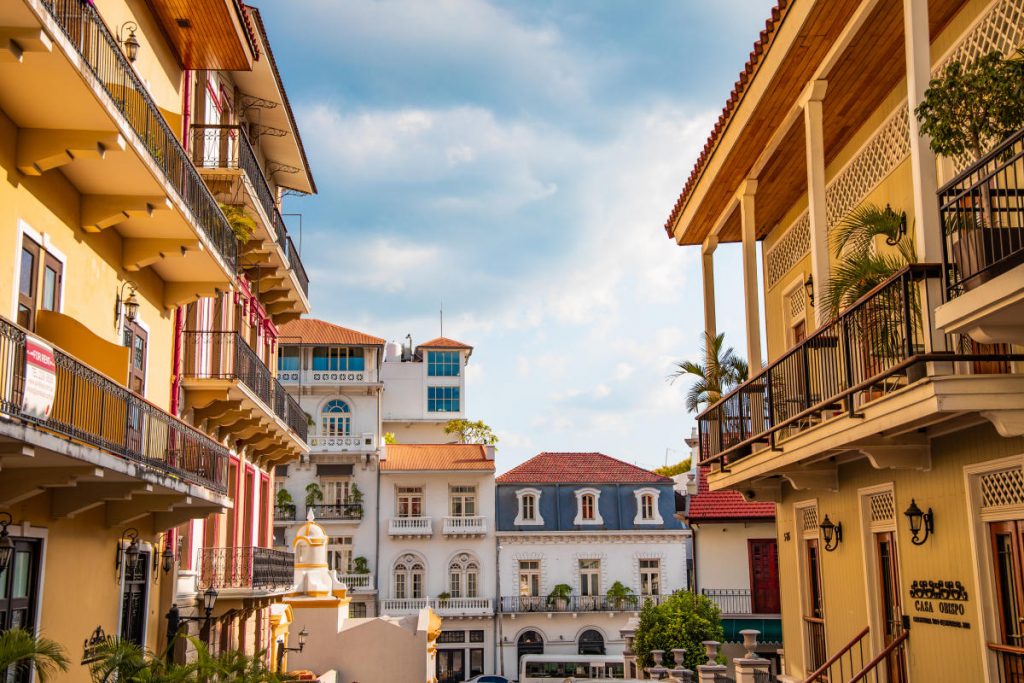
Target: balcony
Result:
[[574, 604], [338, 511], [465, 526], [246, 571], [410, 527], [343, 443], [328, 378], [228, 383], [452, 607], [863, 385], [357, 583], [97, 123], [104, 442], [737, 610], [284, 513], [229, 164], [982, 216]]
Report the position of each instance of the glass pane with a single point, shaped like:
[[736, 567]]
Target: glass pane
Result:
[[28, 270], [3, 585], [49, 289], [22, 571]]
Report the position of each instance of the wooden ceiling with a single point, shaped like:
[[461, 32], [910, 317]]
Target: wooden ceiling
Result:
[[871, 67], [206, 34]]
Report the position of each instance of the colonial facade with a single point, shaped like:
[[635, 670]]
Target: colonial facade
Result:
[[583, 540], [889, 434]]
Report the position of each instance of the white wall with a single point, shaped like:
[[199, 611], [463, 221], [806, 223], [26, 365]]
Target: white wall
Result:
[[561, 634], [722, 556], [405, 390]]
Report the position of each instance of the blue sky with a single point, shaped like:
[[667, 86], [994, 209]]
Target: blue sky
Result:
[[517, 160]]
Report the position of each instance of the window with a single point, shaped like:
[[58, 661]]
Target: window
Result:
[[30, 296], [336, 419], [587, 506], [410, 501], [19, 594], [339, 554], [476, 636], [587, 509], [529, 507], [591, 643], [53, 271], [408, 578], [650, 577], [289, 358], [647, 506], [463, 501], [136, 339], [464, 577], [590, 577], [529, 578], [442, 399], [357, 610], [336, 490], [448, 637], [338, 359], [443, 363]]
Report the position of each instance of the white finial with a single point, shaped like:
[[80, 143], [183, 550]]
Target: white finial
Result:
[[309, 515]]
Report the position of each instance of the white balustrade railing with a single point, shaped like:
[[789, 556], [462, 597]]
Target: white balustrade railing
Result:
[[403, 605], [326, 377], [343, 443], [445, 607], [465, 525], [356, 581], [410, 526]]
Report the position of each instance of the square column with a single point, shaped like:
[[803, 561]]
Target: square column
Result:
[[815, 148], [749, 233]]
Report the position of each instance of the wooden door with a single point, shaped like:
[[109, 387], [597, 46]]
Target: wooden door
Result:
[[764, 576], [890, 603], [814, 611], [1006, 539]]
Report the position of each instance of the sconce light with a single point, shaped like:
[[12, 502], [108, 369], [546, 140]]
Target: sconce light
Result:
[[809, 288], [167, 559], [127, 557], [129, 307], [919, 519], [901, 231], [833, 534], [130, 42], [209, 600], [282, 647], [6, 544]]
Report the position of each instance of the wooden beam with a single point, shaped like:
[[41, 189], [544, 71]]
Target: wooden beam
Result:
[[137, 254], [21, 484], [41, 150], [101, 211]]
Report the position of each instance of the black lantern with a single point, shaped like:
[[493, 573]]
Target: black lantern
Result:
[[901, 231], [167, 559], [130, 42], [919, 520], [209, 600], [127, 556], [282, 647], [6, 543], [126, 306], [303, 634], [833, 534], [809, 288]]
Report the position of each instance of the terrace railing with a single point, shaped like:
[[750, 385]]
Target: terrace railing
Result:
[[101, 54], [338, 510], [577, 603], [730, 600], [246, 567], [284, 513]]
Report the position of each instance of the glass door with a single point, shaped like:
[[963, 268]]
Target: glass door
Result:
[[889, 601], [451, 666]]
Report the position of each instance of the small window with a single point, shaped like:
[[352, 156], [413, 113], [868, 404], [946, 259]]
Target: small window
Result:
[[357, 610], [647, 512], [529, 507], [289, 359], [587, 507], [336, 419], [464, 577], [53, 273], [443, 363], [410, 501], [338, 358], [647, 506], [529, 578], [463, 501], [650, 577], [442, 399]]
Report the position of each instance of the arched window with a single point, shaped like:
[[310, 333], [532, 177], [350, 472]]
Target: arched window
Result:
[[408, 577], [464, 577], [647, 506], [336, 419], [587, 509], [530, 643], [529, 507], [591, 643]]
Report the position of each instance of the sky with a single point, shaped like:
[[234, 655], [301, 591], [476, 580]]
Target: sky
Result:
[[514, 162]]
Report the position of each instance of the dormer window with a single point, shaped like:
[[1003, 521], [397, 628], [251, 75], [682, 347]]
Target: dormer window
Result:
[[587, 508], [443, 363], [647, 507], [529, 507]]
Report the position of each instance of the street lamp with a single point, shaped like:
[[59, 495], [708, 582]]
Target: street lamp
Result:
[[831, 532], [917, 519], [283, 647], [175, 620], [6, 544], [129, 41]]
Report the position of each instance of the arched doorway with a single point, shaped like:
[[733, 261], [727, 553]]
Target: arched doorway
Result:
[[530, 643], [591, 643]]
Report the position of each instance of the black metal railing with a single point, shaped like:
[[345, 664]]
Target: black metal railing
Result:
[[875, 347], [577, 603], [1009, 662], [246, 567], [284, 513], [817, 650], [338, 510], [101, 54], [730, 600], [93, 409], [982, 216], [228, 146], [226, 355]]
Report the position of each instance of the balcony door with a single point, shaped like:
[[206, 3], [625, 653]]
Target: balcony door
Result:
[[814, 610], [19, 594], [1007, 540], [889, 602], [134, 596], [764, 576]]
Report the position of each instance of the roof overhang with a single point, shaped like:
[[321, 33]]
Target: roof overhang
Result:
[[207, 34]]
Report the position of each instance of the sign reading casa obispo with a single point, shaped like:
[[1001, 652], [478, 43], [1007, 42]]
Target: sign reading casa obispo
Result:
[[941, 598]]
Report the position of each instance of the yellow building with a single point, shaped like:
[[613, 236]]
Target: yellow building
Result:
[[889, 435], [137, 359]]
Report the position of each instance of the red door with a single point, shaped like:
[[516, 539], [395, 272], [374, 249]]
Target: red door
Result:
[[764, 576]]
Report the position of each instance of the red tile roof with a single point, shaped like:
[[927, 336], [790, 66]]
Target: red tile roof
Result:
[[450, 456], [754, 62], [708, 504], [313, 331], [444, 343], [579, 468]]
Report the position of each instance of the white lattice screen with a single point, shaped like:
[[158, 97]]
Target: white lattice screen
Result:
[[809, 518], [781, 258], [797, 303], [882, 507], [1002, 487]]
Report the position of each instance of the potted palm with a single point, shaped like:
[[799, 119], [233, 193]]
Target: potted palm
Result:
[[558, 598], [314, 494], [360, 565], [619, 596]]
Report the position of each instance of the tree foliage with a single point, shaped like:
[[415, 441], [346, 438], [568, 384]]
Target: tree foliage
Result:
[[21, 651], [468, 431], [714, 375], [971, 107], [673, 470], [683, 620]]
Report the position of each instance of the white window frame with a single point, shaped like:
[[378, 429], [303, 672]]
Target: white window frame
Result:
[[639, 518], [45, 244], [520, 519], [590, 571], [529, 573], [410, 492], [580, 521], [658, 571], [462, 493]]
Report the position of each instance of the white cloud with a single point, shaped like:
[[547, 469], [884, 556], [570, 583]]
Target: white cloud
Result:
[[382, 263]]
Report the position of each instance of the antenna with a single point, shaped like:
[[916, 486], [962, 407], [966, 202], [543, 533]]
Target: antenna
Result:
[[442, 317]]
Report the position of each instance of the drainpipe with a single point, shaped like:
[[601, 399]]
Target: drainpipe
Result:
[[377, 530], [497, 629]]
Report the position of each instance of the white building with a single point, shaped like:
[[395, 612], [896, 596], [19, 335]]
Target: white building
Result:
[[583, 522]]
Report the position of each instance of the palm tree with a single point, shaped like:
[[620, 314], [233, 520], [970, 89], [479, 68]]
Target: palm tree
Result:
[[721, 370], [21, 651]]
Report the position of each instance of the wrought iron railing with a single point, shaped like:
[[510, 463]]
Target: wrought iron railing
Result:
[[1009, 662], [246, 567], [338, 510], [226, 355], [101, 54], [284, 513], [873, 348], [93, 409], [817, 651], [982, 212], [730, 600], [228, 146], [577, 603]]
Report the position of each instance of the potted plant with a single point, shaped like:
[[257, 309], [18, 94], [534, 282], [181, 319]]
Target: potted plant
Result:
[[314, 494], [443, 598], [558, 598], [355, 495], [360, 565], [284, 497], [619, 596]]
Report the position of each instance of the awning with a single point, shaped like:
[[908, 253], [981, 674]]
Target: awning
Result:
[[334, 470]]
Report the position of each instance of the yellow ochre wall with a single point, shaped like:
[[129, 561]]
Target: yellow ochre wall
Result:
[[943, 557]]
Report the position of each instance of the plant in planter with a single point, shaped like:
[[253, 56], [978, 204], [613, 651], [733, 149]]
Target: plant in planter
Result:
[[314, 494], [360, 565], [559, 596], [355, 495], [284, 497], [241, 224], [619, 595], [443, 598]]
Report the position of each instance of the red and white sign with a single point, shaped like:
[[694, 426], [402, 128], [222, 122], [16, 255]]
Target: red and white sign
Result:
[[40, 378]]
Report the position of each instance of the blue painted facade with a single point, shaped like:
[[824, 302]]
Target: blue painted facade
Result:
[[617, 506]]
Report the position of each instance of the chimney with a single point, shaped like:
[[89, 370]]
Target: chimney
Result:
[[691, 484], [489, 451]]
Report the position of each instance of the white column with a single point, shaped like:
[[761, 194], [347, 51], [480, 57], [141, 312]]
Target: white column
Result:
[[749, 232], [815, 147], [707, 253]]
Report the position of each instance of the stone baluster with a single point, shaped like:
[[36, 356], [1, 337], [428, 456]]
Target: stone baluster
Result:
[[681, 673], [706, 673], [750, 666]]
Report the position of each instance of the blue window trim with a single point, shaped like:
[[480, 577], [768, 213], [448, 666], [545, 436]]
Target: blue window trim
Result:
[[443, 363], [443, 399]]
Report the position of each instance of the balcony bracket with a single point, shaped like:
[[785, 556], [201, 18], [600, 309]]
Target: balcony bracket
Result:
[[16, 449], [15, 42], [181, 293], [244, 429], [820, 478], [1008, 423], [898, 456], [137, 254], [101, 211], [764, 490], [41, 150], [280, 307], [282, 318], [251, 246], [178, 515], [88, 495], [21, 484], [121, 512], [273, 296]]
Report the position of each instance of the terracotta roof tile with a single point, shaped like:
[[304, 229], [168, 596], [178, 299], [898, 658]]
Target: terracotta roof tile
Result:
[[579, 468], [444, 343], [707, 504], [313, 331], [450, 456], [754, 62]]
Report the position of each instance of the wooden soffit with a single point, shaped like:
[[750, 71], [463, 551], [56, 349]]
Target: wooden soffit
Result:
[[207, 34]]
